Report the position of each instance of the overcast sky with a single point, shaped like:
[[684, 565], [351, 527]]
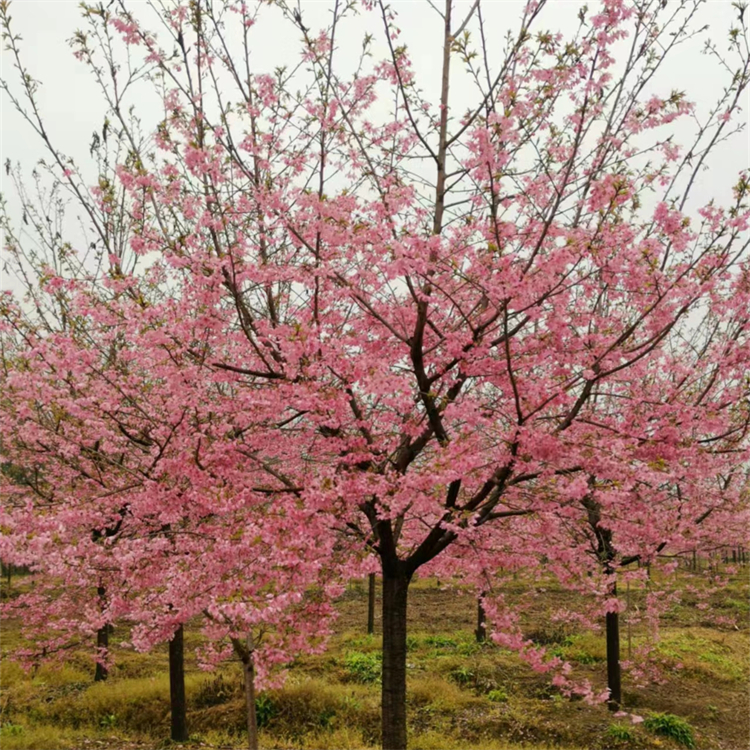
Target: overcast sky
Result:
[[73, 109]]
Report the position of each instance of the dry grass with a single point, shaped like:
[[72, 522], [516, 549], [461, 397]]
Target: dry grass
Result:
[[460, 694]]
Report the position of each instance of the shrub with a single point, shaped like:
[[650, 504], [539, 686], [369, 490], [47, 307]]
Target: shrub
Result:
[[669, 725]]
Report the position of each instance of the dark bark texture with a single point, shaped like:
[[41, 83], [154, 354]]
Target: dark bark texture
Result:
[[481, 631], [395, 591], [248, 668], [178, 705], [102, 640]]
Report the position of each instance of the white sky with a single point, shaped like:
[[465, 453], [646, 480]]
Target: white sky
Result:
[[73, 109]]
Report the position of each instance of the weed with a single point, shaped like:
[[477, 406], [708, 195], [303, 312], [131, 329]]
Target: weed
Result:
[[265, 710], [669, 725], [108, 721], [469, 649], [620, 733], [497, 696], [362, 667], [584, 658], [327, 715], [10, 730], [440, 641], [462, 675], [368, 642], [350, 703]]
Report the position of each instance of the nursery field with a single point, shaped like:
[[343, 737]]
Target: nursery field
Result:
[[461, 694]]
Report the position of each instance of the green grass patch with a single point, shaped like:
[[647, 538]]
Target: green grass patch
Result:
[[721, 656], [497, 696], [363, 667], [583, 648], [669, 725], [40, 737], [620, 733]]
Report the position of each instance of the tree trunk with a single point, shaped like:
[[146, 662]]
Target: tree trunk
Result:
[[102, 640], [395, 590], [630, 637], [371, 604], [481, 631], [178, 704], [613, 658], [248, 669], [102, 646]]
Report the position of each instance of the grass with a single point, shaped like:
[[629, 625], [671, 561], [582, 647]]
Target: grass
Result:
[[461, 694], [621, 733], [363, 667], [41, 737], [706, 652], [668, 725]]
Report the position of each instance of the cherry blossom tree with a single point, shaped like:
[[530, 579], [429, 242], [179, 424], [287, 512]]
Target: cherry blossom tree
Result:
[[415, 322], [107, 502], [103, 507]]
